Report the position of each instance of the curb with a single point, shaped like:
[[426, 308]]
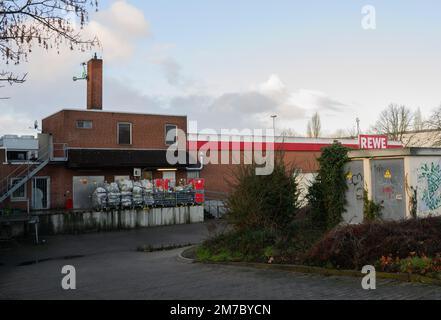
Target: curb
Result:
[[181, 257], [403, 277]]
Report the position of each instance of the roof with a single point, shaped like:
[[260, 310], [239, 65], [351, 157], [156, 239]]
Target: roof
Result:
[[15, 142], [402, 152], [101, 158], [116, 112], [277, 139]]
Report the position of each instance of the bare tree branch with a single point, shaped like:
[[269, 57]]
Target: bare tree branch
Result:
[[48, 24], [394, 122], [314, 126]]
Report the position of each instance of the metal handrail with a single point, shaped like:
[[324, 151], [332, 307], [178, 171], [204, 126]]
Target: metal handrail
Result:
[[26, 169], [29, 163]]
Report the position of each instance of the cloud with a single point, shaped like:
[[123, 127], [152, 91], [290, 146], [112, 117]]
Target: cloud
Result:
[[49, 86], [274, 86], [315, 100], [118, 29], [253, 108], [160, 54], [172, 71], [12, 122], [246, 103]]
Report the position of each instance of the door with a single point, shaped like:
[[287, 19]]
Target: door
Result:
[[354, 194], [83, 188], [170, 175], [40, 193], [388, 187]]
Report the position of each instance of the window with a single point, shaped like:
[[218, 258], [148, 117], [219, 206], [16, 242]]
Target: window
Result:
[[84, 124], [192, 174], [170, 175], [170, 136], [147, 175], [124, 133], [17, 155], [20, 193]]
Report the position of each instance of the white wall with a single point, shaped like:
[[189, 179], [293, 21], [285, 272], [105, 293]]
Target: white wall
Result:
[[424, 175]]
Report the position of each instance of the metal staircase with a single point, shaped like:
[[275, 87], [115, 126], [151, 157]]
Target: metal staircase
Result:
[[24, 172]]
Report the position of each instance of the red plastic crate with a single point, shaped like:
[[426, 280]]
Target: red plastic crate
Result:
[[199, 184], [158, 183], [199, 198], [162, 184]]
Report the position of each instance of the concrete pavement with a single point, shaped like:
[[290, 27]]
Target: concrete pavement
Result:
[[108, 267]]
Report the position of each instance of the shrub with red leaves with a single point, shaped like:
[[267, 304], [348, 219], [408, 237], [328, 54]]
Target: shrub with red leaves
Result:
[[352, 247]]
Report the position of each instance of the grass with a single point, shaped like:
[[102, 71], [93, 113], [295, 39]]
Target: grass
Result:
[[262, 246]]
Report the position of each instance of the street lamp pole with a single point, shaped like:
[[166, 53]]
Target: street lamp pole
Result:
[[274, 123]]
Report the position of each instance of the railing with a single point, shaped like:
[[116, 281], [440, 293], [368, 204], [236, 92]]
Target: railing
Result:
[[215, 203], [59, 152], [24, 170]]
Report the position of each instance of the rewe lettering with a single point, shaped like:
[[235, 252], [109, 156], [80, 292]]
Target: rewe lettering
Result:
[[372, 142]]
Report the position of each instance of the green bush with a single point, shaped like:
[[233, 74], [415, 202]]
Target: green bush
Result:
[[327, 195], [267, 202], [263, 211], [371, 210], [262, 245], [351, 247]]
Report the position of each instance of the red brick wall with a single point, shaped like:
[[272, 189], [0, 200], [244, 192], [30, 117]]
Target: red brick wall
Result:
[[217, 175], [5, 172], [61, 187], [148, 131], [95, 84]]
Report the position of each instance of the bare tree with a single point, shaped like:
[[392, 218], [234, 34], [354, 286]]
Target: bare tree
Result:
[[394, 121], [434, 125], [314, 126], [345, 133], [418, 122], [289, 133], [44, 23]]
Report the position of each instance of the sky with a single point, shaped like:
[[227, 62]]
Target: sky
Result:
[[232, 64]]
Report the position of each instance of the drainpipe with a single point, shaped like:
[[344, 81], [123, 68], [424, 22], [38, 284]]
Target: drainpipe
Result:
[[201, 161]]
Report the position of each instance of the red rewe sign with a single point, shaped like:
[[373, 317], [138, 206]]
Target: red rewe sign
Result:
[[371, 142]]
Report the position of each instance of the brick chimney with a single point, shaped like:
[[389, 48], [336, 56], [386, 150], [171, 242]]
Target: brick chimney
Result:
[[95, 84]]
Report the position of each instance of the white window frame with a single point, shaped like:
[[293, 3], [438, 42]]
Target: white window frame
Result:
[[83, 121], [165, 133], [25, 196], [131, 133]]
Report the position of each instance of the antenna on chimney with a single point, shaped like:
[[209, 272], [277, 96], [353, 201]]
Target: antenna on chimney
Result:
[[84, 75]]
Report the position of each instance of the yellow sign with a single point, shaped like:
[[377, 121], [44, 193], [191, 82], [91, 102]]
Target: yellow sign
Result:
[[387, 174], [349, 176]]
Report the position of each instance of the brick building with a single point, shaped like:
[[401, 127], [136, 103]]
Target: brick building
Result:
[[80, 149]]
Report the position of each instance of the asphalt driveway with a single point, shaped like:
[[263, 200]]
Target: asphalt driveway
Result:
[[109, 267]]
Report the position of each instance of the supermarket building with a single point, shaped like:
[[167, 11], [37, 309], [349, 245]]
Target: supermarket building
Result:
[[79, 149]]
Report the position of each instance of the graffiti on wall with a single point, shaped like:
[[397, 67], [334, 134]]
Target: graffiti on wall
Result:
[[429, 180]]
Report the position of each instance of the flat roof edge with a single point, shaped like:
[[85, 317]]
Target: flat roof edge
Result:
[[115, 111], [398, 152]]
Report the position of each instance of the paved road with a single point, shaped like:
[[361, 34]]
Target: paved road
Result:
[[108, 267]]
